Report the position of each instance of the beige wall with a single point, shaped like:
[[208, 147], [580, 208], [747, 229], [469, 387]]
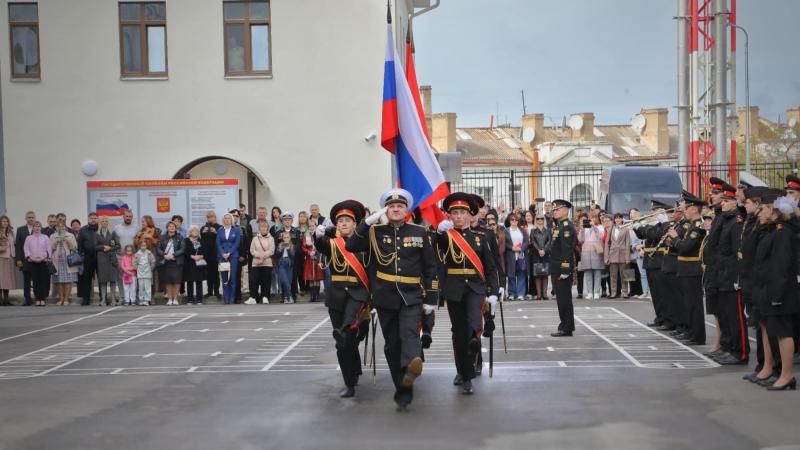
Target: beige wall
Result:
[[300, 131]]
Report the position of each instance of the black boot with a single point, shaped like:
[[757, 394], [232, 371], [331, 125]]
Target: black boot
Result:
[[466, 389], [349, 391]]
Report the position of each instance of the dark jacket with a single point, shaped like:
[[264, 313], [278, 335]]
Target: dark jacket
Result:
[[651, 235], [540, 240], [511, 255], [209, 239], [344, 281], [746, 256], [776, 270], [727, 270], [456, 284], [562, 249], [19, 244], [403, 262], [191, 272], [177, 245], [711, 252], [688, 246], [87, 242]]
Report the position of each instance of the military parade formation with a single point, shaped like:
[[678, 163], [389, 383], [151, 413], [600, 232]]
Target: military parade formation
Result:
[[734, 257]]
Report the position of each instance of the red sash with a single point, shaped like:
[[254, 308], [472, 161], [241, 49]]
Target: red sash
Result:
[[467, 250], [352, 261]]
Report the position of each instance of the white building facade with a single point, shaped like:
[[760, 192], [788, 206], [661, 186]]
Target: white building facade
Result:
[[280, 94]]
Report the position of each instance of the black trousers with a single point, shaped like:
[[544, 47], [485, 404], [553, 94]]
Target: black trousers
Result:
[[465, 315], [212, 277], [85, 282], [692, 294], [733, 324], [400, 329], [672, 302], [427, 322], [580, 284], [347, 353], [27, 285], [260, 283], [654, 281], [40, 277], [563, 290], [194, 291], [238, 292]]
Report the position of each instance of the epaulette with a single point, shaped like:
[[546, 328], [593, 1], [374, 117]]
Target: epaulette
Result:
[[778, 226], [478, 232], [415, 225], [565, 223], [698, 223]]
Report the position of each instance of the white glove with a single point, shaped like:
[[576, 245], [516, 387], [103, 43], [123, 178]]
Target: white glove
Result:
[[564, 276], [320, 231], [662, 218], [492, 302], [444, 226], [501, 292], [428, 309], [376, 216]]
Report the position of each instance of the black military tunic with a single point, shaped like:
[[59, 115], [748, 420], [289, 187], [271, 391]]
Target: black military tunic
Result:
[[690, 278], [562, 262], [652, 266], [347, 303], [730, 309], [674, 304], [465, 291], [402, 262]]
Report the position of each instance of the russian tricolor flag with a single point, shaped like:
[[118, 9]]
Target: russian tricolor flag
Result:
[[403, 134]]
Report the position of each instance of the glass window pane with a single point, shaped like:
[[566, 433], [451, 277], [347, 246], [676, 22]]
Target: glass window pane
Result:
[[23, 13], [131, 49], [259, 10], [233, 10], [259, 46], [234, 47], [25, 50], [156, 49], [129, 11], [155, 11]]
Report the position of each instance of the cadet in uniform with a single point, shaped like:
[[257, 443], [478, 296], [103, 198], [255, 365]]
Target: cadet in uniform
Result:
[[711, 262], [671, 291], [562, 266], [650, 233], [403, 261], [471, 278], [690, 274], [348, 299]]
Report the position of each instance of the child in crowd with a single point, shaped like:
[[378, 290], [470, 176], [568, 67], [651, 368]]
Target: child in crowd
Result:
[[127, 267], [285, 265], [145, 262]]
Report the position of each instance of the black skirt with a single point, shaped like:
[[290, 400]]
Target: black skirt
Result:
[[171, 273], [780, 325]]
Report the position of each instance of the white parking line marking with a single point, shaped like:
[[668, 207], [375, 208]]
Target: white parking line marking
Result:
[[294, 344], [562, 364], [192, 369], [216, 353], [259, 329], [550, 349], [240, 340], [148, 355], [179, 341], [116, 371], [59, 325]]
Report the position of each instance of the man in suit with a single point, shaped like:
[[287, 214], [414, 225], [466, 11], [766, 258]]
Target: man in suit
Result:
[[22, 233], [87, 247], [562, 265]]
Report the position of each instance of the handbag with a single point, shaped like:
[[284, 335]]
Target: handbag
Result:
[[520, 265], [225, 266], [201, 263], [541, 269], [74, 259], [51, 267], [629, 275]]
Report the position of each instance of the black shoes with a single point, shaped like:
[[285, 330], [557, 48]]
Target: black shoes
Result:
[[350, 391], [726, 359], [790, 386], [766, 382], [654, 324], [560, 333], [426, 340], [403, 397], [467, 388], [458, 381]]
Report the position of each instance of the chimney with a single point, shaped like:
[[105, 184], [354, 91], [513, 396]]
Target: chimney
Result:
[[444, 132], [425, 97], [792, 117], [753, 123], [656, 129], [536, 123], [586, 131]]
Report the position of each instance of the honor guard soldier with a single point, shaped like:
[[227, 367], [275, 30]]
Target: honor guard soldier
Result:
[[651, 233], [689, 272], [671, 291], [710, 254], [427, 321], [348, 299], [471, 278], [734, 344], [562, 265], [403, 261]]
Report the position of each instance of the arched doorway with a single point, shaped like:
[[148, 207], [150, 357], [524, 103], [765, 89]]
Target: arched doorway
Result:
[[252, 187], [581, 196]]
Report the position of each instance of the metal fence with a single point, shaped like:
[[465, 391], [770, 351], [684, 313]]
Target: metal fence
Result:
[[581, 184]]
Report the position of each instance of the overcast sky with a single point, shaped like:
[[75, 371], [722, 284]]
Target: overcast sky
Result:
[[610, 57]]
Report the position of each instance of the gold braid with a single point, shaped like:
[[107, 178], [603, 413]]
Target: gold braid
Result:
[[338, 262], [458, 255], [383, 260]]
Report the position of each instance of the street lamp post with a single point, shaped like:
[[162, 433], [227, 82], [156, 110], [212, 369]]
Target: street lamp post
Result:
[[746, 96]]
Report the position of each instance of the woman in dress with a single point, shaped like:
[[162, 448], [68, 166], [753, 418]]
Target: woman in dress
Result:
[[194, 266], [170, 253], [63, 244], [312, 272], [541, 238], [107, 245], [8, 273]]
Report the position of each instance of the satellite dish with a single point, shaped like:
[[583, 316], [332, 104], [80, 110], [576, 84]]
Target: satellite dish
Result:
[[638, 122], [575, 122], [528, 134]]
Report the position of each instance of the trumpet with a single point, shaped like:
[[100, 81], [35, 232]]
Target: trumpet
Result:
[[631, 222]]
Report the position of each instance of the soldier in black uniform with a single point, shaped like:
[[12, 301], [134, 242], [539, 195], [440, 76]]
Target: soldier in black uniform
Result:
[[403, 262], [348, 299], [562, 266], [671, 291], [734, 343], [711, 263], [690, 274], [471, 278], [650, 233]]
